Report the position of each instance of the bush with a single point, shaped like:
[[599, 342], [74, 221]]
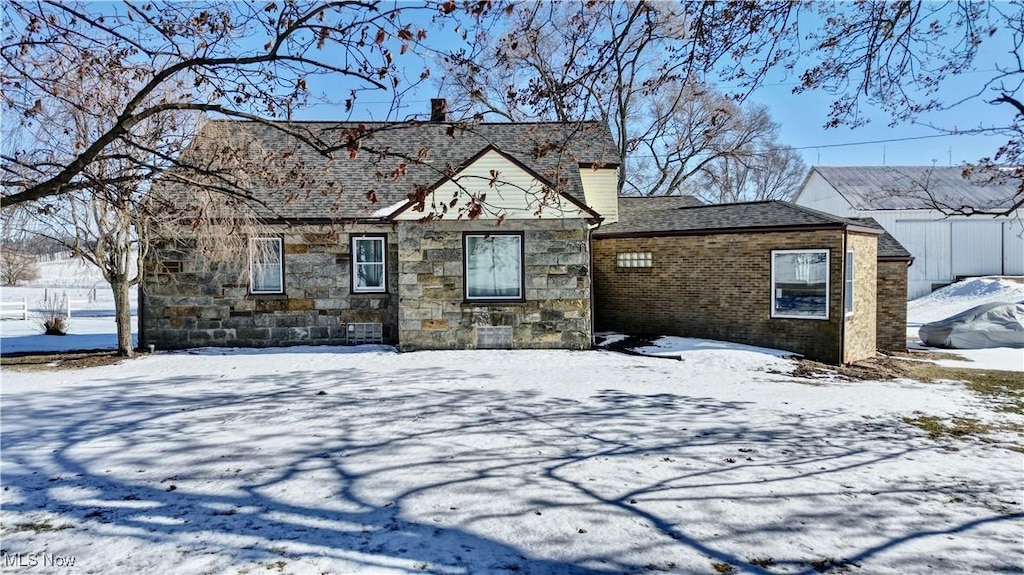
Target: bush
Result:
[[54, 320]]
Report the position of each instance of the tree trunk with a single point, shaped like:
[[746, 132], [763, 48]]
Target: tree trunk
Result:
[[123, 316]]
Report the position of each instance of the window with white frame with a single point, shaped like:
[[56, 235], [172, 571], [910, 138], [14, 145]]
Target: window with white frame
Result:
[[800, 284], [633, 260], [494, 266], [368, 264], [266, 266], [848, 283]]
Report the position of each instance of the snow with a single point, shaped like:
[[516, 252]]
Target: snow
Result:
[[672, 346], [959, 297], [387, 211], [92, 323], [962, 296], [362, 460]]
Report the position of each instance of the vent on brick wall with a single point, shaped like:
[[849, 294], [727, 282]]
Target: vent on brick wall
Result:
[[357, 333], [494, 337]]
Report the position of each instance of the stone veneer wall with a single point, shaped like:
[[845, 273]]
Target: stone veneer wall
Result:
[[433, 313], [715, 286], [860, 329], [892, 305], [190, 301]]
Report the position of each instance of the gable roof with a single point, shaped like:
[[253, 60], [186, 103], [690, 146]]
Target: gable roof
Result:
[[913, 187], [394, 161], [723, 218], [541, 179]]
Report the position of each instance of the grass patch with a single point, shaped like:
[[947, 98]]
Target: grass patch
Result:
[[958, 427], [723, 568], [59, 361], [1004, 388], [40, 527]]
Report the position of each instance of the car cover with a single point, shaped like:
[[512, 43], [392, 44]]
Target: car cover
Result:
[[988, 325]]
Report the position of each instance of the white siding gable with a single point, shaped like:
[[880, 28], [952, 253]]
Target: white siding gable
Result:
[[515, 194], [600, 187]]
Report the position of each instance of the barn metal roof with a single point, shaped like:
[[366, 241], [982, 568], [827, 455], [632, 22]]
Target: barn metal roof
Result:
[[914, 187]]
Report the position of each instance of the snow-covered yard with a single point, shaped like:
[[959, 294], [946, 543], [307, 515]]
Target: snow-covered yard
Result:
[[91, 325], [327, 460]]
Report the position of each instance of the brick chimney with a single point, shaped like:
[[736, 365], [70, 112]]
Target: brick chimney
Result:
[[438, 110]]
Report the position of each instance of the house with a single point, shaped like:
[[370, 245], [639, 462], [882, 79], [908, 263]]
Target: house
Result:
[[371, 246], [768, 273], [440, 235], [904, 199]]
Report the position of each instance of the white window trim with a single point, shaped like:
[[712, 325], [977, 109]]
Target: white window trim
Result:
[[280, 265], [522, 267], [828, 278], [849, 283], [384, 264]]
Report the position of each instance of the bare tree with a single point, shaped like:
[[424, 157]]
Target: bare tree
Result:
[[248, 60], [17, 261], [577, 59], [16, 267], [634, 65], [762, 169]]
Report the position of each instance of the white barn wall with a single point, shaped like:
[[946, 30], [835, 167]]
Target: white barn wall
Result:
[[947, 247], [943, 247], [1013, 246], [818, 194]]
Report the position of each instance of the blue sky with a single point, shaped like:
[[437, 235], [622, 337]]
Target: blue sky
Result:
[[802, 117]]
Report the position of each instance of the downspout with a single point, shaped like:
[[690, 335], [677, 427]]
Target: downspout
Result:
[[842, 296], [590, 279]]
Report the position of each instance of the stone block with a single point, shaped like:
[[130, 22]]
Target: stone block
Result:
[[434, 324], [299, 304]]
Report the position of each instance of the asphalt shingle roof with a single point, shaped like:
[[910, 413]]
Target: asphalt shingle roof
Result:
[[718, 217], [913, 187], [301, 183]]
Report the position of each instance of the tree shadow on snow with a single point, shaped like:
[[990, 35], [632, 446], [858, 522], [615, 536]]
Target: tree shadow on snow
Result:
[[409, 475]]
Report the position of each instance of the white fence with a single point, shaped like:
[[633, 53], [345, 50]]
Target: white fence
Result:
[[67, 305], [21, 308]]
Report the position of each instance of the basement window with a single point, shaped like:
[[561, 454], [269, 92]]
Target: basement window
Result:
[[633, 260], [800, 284]]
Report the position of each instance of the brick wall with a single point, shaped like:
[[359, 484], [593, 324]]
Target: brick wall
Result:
[[892, 305], [433, 312], [715, 286], [191, 301], [860, 330]]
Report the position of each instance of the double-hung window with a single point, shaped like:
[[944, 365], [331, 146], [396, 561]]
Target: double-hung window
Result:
[[494, 266], [368, 264], [800, 284], [266, 266]]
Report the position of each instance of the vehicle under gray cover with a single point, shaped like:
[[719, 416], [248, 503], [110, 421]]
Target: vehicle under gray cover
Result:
[[984, 326]]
